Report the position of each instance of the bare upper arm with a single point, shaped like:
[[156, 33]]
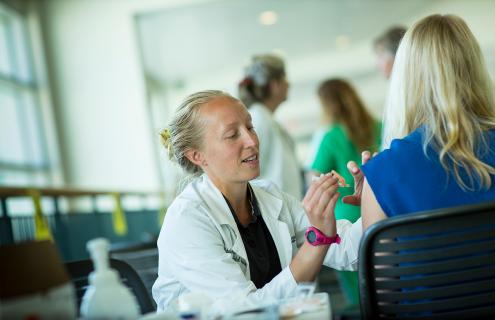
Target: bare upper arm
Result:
[[371, 211]]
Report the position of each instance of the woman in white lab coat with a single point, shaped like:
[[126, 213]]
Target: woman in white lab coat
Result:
[[225, 236], [262, 90]]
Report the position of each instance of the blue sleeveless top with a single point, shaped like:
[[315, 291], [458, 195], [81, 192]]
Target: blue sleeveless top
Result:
[[405, 180]]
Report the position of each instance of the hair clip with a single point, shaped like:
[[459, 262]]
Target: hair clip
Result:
[[245, 82], [165, 137]]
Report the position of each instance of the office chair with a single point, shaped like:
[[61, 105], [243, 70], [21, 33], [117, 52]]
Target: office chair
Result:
[[142, 257], [80, 270], [430, 265]]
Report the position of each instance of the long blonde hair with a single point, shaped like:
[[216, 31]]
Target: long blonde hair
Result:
[[440, 83]]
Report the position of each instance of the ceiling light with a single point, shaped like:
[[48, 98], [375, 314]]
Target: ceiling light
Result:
[[268, 18]]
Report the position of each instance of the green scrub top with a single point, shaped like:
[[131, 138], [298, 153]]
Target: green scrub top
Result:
[[335, 150]]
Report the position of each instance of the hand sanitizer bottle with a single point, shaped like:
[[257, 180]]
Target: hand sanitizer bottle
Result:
[[106, 297]]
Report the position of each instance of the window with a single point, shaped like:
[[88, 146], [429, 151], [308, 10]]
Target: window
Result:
[[24, 156]]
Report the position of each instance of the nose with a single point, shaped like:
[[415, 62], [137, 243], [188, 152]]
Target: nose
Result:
[[251, 139]]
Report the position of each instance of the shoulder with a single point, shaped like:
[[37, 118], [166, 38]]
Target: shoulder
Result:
[[263, 121], [268, 187], [259, 111], [335, 132], [188, 203], [407, 147]]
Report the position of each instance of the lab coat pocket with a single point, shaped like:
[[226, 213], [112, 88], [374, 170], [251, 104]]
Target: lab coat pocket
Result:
[[238, 252]]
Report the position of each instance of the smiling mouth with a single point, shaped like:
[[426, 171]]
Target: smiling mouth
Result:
[[252, 158]]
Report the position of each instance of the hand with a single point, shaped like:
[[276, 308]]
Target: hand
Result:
[[319, 203], [358, 175]]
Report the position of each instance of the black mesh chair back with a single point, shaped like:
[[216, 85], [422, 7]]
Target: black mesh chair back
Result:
[[80, 270], [430, 265], [142, 257]]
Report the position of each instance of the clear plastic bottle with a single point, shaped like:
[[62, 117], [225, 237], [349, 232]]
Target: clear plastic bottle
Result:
[[106, 296]]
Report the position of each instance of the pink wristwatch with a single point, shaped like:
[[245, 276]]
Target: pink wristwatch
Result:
[[317, 238]]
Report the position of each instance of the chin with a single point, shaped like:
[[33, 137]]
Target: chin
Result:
[[253, 176]]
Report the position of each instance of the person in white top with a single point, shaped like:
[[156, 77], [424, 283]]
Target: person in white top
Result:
[[263, 89], [228, 236]]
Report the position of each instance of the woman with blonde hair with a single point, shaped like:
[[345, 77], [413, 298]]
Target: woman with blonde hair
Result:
[[232, 238], [439, 135], [352, 130]]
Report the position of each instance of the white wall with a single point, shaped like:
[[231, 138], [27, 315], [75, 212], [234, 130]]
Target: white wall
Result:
[[103, 119]]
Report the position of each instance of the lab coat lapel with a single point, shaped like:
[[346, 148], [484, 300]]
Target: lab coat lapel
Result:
[[271, 208], [220, 213]]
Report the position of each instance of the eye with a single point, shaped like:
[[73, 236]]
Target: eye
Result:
[[232, 135]]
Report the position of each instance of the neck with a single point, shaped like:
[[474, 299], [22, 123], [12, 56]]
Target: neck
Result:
[[236, 194], [271, 104]]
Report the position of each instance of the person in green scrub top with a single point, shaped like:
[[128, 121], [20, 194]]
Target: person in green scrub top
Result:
[[352, 130]]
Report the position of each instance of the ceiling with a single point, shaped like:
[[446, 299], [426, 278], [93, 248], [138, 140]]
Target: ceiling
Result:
[[193, 40], [206, 45]]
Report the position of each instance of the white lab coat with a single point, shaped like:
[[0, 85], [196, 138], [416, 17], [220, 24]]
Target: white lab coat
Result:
[[278, 160], [201, 249]]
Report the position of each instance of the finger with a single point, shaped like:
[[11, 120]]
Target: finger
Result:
[[316, 181], [365, 156], [352, 200], [322, 202], [311, 202], [353, 168], [330, 215], [332, 203], [311, 190]]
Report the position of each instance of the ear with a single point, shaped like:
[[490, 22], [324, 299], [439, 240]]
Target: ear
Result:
[[196, 157], [274, 86]]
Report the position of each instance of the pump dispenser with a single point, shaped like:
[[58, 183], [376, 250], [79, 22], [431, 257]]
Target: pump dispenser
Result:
[[106, 297]]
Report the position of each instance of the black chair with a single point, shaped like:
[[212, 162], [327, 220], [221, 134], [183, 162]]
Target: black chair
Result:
[[430, 265], [142, 257], [80, 270]]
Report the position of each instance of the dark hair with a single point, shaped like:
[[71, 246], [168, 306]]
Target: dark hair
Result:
[[341, 102], [255, 86], [391, 38]]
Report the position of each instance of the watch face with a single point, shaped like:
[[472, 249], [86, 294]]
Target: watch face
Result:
[[311, 236]]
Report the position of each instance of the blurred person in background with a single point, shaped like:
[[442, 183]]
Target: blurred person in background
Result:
[[234, 239], [439, 127], [262, 90], [385, 47], [352, 130]]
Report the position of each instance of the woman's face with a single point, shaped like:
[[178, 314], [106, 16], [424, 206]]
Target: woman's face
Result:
[[384, 61], [282, 88], [230, 146]]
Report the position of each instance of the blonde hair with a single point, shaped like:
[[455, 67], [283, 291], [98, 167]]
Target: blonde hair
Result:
[[342, 103], [185, 131], [440, 83]]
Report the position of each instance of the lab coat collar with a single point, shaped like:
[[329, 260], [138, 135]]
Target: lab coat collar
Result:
[[220, 210], [269, 205]]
